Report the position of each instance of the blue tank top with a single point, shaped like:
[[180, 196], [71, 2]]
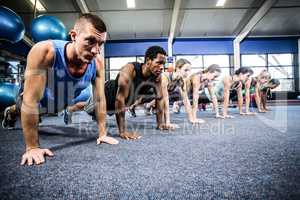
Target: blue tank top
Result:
[[62, 87]]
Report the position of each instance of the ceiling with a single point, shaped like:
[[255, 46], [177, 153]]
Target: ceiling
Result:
[[152, 19]]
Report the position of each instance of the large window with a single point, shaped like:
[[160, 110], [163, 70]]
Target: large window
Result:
[[221, 60], [281, 66], [196, 62], [140, 59], [199, 62], [257, 62], [117, 63]]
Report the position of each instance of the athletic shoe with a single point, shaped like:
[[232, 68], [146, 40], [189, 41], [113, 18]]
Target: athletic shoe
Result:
[[176, 108], [147, 109], [8, 122], [132, 111], [67, 116]]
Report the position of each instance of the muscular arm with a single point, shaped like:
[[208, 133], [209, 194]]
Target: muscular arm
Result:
[[124, 84], [227, 84], [39, 59], [186, 101], [214, 99], [247, 94], [100, 103], [258, 97], [240, 99], [99, 97], [165, 98], [160, 102], [196, 87], [163, 112]]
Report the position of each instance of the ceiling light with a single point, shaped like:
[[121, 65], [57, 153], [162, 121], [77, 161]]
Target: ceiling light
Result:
[[39, 6], [130, 3], [220, 3]]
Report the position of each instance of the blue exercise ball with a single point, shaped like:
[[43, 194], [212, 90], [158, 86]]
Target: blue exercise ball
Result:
[[48, 27], [8, 94], [12, 26], [84, 95]]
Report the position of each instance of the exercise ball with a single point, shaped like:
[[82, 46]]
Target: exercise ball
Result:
[[12, 26], [84, 95], [47, 27], [8, 94]]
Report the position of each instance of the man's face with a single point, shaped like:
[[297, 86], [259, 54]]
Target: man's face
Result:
[[88, 43], [157, 64]]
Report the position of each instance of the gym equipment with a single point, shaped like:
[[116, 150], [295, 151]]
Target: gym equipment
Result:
[[47, 27], [8, 94], [12, 26]]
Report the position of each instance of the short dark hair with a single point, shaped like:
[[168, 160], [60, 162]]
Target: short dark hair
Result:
[[95, 20], [244, 70], [152, 52]]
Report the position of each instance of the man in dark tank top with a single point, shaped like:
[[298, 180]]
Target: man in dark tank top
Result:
[[134, 80]]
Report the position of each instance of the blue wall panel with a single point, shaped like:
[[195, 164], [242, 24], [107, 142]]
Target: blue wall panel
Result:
[[184, 46], [277, 45], [204, 46], [130, 48]]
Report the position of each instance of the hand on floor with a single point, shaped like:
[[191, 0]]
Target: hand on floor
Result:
[[168, 126], [250, 113], [197, 121], [107, 139], [130, 136], [35, 156], [262, 111], [228, 116], [219, 116]]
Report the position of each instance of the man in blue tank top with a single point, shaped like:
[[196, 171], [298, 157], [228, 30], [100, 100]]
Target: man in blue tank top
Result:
[[59, 71]]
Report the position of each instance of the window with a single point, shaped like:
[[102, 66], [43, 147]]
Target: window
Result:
[[258, 60], [280, 59], [117, 63], [257, 63], [140, 59], [285, 85], [221, 60], [257, 70], [196, 62], [281, 72], [281, 67]]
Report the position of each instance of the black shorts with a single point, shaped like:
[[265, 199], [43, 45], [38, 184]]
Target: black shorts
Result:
[[110, 90]]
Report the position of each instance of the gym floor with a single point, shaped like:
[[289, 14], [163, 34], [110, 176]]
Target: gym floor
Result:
[[248, 157]]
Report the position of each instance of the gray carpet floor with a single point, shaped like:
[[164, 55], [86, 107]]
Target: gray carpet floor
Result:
[[248, 157]]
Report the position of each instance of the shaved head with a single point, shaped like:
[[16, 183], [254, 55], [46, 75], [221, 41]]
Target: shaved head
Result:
[[90, 19]]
